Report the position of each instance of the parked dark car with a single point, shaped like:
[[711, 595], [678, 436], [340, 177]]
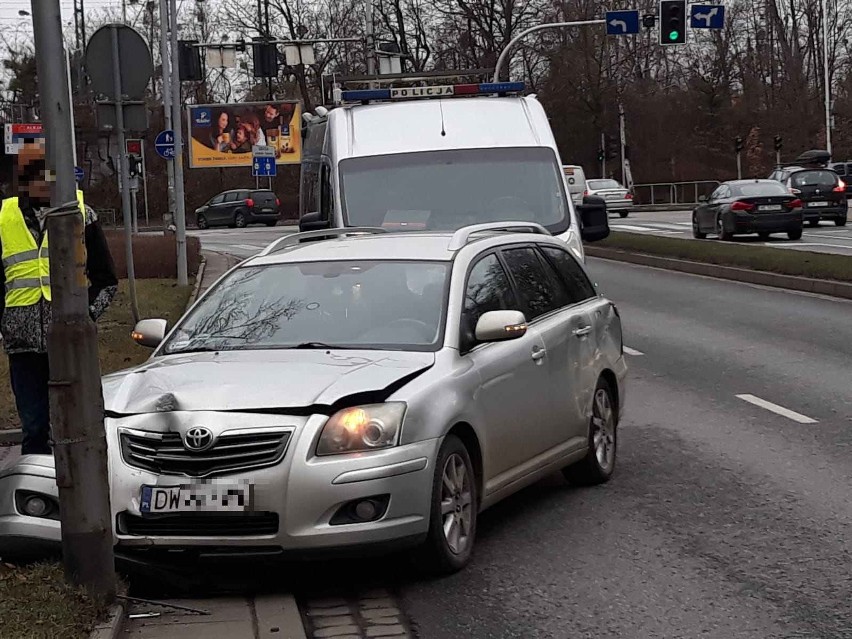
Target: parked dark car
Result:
[[748, 206], [239, 208], [821, 190]]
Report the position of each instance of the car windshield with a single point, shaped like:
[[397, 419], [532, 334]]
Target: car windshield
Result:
[[596, 185], [446, 190], [815, 178], [341, 304], [757, 189]]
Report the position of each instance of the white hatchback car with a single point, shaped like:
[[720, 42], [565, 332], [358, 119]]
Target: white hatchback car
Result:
[[369, 390]]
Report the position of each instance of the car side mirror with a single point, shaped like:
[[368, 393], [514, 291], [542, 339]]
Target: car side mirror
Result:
[[150, 332], [702, 198], [313, 222], [594, 221], [499, 326]]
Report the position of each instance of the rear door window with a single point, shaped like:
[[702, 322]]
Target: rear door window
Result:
[[231, 197], [577, 284]]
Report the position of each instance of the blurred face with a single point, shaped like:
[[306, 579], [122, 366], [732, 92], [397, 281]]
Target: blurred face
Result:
[[241, 135], [271, 113], [223, 121], [33, 176]]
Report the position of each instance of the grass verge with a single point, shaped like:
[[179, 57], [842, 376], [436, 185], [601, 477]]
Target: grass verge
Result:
[[36, 603], [157, 298], [739, 254]]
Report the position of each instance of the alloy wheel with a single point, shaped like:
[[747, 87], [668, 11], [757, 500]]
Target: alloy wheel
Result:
[[603, 430], [456, 503]]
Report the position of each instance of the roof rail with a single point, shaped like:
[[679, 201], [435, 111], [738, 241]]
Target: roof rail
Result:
[[462, 236], [298, 238]]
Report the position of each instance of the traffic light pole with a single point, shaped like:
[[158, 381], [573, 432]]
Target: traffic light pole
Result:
[[169, 218], [623, 141], [503, 60], [76, 397], [739, 165], [603, 154], [177, 124]]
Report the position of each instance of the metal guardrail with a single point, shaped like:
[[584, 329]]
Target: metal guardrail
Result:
[[673, 192]]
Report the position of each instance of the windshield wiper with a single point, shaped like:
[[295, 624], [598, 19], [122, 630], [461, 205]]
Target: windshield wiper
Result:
[[316, 345]]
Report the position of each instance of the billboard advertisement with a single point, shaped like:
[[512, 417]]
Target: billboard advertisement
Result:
[[222, 135]]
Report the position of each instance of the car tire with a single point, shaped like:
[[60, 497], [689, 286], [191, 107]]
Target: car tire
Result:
[[599, 463], [813, 222], [721, 232], [696, 232], [240, 220], [623, 214], [794, 235], [457, 495], [841, 221], [272, 223], [201, 222]]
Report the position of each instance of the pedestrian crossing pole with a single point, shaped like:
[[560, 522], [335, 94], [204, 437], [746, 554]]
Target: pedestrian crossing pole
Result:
[[76, 396]]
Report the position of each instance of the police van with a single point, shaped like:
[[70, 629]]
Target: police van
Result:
[[439, 158]]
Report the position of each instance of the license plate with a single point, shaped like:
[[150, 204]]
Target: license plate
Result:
[[196, 498], [268, 210], [815, 204], [770, 207]]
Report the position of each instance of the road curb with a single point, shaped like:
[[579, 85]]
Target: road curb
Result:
[[113, 627], [11, 437], [791, 282], [198, 279]]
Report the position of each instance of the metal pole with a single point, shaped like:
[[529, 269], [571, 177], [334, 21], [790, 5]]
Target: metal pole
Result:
[[134, 209], [739, 166], [145, 184], [623, 134], [124, 174], [268, 37], [177, 124], [371, 43], [76, 396], [169, 217], [603, 154], [71, 105], [504, 55], [826, 74], [124, 11]]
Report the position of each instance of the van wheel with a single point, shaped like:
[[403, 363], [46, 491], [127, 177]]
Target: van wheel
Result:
[[599, 463], [240, 220], [452, 518]]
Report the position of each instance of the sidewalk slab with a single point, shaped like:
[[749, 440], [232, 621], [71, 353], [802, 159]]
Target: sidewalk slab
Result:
[[230, 617]]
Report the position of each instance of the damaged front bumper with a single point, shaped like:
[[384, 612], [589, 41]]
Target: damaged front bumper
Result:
[[29, 485]]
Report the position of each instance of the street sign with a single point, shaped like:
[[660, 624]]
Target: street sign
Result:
[[78, 174], [164, 144], [135, 65], [263, 167], [707, 16], [622, 22], [258, 151]]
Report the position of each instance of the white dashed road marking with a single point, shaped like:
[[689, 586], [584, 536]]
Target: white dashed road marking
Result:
[[632, 351], [778, 410]]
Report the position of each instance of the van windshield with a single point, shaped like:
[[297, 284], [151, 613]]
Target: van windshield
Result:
[[446, 190]]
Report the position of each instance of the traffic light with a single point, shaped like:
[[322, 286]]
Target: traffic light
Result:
[[134, 166], [613, 148], [672, 22], [189, 61], [779, 143], [265, 58], [600, 155], [738, 143]]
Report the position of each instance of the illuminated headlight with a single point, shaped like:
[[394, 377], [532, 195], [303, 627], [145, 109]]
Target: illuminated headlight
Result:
[[361, 428]]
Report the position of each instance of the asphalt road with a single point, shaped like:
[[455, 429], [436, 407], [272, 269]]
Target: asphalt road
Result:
[[240, 242], [825, 238]]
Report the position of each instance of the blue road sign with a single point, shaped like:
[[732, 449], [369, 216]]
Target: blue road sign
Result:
[[263, 167], [622, 22], [164, 144], [707, 16], [78, 174]]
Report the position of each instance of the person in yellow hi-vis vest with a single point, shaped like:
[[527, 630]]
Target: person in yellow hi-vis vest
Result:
[[25, 303]]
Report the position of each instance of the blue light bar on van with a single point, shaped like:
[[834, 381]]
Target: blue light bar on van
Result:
[[448, 91]]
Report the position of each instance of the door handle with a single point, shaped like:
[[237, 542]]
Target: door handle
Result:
[[582, 331], [538, 354]]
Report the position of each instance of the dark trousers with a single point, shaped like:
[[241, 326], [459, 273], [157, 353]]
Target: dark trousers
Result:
[[30, 373]]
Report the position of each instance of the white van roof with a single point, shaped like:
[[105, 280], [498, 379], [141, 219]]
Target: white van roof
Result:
[[438, 124]]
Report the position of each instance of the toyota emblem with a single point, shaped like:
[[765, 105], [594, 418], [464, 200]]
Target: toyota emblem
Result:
[[198, 438]]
